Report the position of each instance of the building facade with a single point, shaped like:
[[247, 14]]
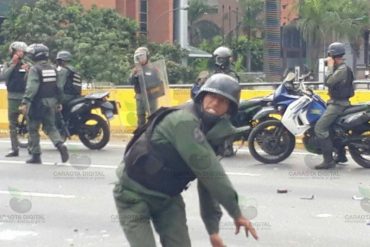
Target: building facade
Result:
[[155, 17]]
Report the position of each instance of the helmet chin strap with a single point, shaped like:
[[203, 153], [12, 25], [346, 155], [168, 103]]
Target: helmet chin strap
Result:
[[208, 119]]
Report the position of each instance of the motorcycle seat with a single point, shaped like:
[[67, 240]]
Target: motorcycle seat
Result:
[[354, 109], [75, 102], [253, 102]]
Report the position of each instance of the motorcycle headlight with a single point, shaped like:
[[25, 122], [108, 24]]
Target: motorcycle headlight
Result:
[[109, 114], [280, 108]]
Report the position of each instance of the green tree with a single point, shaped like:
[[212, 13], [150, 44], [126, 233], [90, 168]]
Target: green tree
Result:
[[100, 39], [197, 8], [324, 21], [252, 18]]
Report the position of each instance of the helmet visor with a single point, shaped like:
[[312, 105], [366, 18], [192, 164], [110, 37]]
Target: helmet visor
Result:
[[140, 57], [221, 60]]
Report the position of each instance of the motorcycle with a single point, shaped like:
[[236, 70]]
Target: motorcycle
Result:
[[286, 93], [260, 109], [351, 129], [77, 118]]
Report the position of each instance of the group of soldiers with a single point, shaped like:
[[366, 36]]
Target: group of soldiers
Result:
[[175, 147], [38, 90], [170, 148]]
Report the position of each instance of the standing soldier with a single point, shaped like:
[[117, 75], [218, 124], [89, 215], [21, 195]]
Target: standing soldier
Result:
[[40, 102], [146, 81], [223, 57], [340, 84], [14, 73], [167, 154], [69, 76]]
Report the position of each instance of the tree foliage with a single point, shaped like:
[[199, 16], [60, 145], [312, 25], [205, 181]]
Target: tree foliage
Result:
[[99, 39], [324, 21]]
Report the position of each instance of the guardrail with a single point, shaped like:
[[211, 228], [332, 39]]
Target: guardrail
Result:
[[245, 85], [125, 122]]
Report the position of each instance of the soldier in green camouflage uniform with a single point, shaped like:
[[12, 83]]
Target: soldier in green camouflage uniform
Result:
[[223, 57], [161, 161], [339, 81], [14, 73], [71, 79], [141, 59], [40, 102]]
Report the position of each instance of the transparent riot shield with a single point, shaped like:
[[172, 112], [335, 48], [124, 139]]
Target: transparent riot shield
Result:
[[164, 99], [142, 83]]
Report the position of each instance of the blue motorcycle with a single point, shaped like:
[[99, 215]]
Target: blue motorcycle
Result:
[[274, 140]]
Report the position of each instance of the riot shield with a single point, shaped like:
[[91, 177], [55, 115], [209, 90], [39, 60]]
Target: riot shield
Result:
[[153, 77], [164, 99], [142, 84]]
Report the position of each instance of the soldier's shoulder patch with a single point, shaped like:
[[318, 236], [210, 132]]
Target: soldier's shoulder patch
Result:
[[198, 135]]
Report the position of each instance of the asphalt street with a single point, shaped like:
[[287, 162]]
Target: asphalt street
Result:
[[54, 204]]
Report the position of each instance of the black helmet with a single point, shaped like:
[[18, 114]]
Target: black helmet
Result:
[[38, 52], [336, 49], [64, 55], [222, 57], [223, 85]]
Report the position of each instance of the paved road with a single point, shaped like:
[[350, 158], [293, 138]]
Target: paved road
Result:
[[57, 205]]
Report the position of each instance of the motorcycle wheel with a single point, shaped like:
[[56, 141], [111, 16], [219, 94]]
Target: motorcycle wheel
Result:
[[94, 132], [270, 142], [360, 151], [22, 132]]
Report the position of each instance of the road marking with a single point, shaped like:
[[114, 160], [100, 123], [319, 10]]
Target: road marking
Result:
[[57, 164], [9, 235], [243, 174], [36, 194], [73, 143], [107, 167]]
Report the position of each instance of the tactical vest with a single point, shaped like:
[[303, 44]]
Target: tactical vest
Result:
[[48, 81], [344, 89], [149, 164], [229, 72], [17, 80], [73, 84]]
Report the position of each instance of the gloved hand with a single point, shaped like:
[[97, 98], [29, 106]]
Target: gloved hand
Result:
[[23, 109]]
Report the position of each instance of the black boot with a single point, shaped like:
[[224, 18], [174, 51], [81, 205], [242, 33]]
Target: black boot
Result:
[[63, 152], [228, 149], [13, 153], [35, 159], [340, 157], [327, 151]]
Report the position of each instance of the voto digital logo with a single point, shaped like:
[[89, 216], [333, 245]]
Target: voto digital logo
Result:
[[20, 203], [365, 202], [81, 164], [365, 205], [249, 209], [311, 161]]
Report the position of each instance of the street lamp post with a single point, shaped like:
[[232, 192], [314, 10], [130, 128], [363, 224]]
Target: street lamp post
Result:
[[185, 8]]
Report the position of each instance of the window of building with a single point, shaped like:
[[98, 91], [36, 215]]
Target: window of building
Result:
[[144, 16]]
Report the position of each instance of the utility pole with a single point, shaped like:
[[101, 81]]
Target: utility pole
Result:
[[237, 24], [249, 40], [230, 36], [223, 23]]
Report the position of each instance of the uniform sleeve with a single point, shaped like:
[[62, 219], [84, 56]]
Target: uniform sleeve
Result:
[[32, 86], [7, 71], [132, 79], [336, 76], [62, 76], [189, 141], [210, 210]]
